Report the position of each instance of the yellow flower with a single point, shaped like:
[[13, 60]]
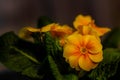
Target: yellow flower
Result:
[[25, 33], [48, 27], [82, 22], [86, 30], [83, 52], [100, 30], [58, 31]]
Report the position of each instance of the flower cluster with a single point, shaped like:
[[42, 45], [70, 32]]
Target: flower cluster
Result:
[[82, 47]]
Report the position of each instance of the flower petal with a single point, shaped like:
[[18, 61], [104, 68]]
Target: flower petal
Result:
[[61, 31], [26, 31], [84, 30], [73, 60], [69, 50], [100, 30], [32, 29], [47, 27], [82, 21], [97, 57], [74, 39], [85, 63], [92, 44]]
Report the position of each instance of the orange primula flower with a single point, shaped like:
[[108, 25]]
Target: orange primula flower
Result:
[[25, 32], [86, 30], [82, 22], [100, 30], [83, 52], [58, 31]]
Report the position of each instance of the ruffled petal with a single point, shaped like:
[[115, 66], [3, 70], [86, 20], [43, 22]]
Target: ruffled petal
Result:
[[73, 60], [85, 30], [32, 29], [97, 57], [26, 31], [61, 31], [74, 39], [82, 21], [100, 30], [92, 44], [48, 27], [85, 63], [70, 50]]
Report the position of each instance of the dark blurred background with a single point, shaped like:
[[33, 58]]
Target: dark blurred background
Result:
[[15, 14]]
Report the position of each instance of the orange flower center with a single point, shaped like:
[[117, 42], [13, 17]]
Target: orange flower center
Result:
[[83, 50]]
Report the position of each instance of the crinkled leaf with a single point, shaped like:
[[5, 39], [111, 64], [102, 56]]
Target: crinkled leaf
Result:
[[8, 39], [108, 67], [55, 50], [55, 71], [20, 63], [11, 39], [71, 77], [51, 49], [15, 59], [57, 64]]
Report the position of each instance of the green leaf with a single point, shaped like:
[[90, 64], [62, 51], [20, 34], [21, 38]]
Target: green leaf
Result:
[[71, 77], [25, 54], [54, 49], [56, 61], [51, 50], [54, 68], [108, 67], [8, 39], [32, 71], [20, 63], [12, 55]]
